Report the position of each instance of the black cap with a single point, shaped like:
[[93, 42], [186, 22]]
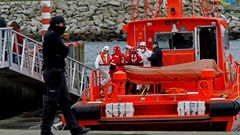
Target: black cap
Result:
[[155, 43], [56, 20]]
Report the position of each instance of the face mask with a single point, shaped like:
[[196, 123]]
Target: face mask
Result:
[[60, 30]]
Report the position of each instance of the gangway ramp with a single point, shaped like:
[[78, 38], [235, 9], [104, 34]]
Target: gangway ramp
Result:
[[21, 62]]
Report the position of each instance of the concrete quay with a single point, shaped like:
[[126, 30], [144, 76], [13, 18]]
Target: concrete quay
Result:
[[66, 132]]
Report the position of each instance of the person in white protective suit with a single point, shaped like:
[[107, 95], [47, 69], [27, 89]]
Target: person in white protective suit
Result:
[[144, 53], [102, 64]]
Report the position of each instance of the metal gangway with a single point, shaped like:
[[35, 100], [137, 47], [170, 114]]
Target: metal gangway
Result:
[[21, 61]]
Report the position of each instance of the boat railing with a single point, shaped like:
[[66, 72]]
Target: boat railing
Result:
[[203, 91], [156, 96], [207, 8], [77, 76], [236, 87], [95, 88], [24, 56]]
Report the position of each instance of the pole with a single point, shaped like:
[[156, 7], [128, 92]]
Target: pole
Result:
[[46, 10]]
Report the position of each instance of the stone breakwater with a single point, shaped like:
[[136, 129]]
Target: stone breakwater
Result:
[[94, 20]]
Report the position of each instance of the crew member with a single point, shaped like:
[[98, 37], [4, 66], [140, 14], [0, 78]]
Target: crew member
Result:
[[133, 58], [56, 93], [156, 60], [128, 52], [117, 61], [156, 57], [102, 63], [144, 53]]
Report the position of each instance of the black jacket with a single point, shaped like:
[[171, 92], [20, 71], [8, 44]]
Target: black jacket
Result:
[[156, 57], [54, 51], [2, 22]]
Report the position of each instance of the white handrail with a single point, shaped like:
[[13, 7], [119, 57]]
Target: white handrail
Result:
[[28, 60]]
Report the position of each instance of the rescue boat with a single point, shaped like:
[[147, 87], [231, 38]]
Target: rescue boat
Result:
[[197, 88]]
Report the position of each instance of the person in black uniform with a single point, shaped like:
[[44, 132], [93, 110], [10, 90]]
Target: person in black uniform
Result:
[[156, 57], [56, 93], [156, 60]]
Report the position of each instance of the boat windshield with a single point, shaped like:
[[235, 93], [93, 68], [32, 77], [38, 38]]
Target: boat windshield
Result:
[[175, 40]]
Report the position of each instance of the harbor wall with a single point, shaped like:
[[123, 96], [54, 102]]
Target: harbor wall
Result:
[[94, 20]]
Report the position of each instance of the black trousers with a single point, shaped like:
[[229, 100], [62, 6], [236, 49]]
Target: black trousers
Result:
[[56, 95]]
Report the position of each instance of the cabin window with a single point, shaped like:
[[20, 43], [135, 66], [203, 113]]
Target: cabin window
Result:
[[174, 40]]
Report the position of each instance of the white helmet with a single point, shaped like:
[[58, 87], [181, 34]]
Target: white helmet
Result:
[[142, 44], [105, 48]]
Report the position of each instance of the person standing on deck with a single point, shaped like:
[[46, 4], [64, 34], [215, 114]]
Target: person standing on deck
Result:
[[102, 63], [145, 54], [156, 57], [56, 93], [117, 61], [156, 60], [133, 58]]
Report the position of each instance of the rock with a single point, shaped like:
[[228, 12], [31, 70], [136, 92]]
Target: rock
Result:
[[236, 29], [120, 19], [33, 29], [59, 11], [87, 14], [129, 17], [6, 11], [82, 9], [92, 7], [92, 2], [90, 23], [235, 18], [103, 25], [69, 13], [221, 8], [109, 22], [114, 3], [61, 5], [36, 23], [97, 19], [95, 30], [72, 29], [81, 3], [112, 12], [97, 22]]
